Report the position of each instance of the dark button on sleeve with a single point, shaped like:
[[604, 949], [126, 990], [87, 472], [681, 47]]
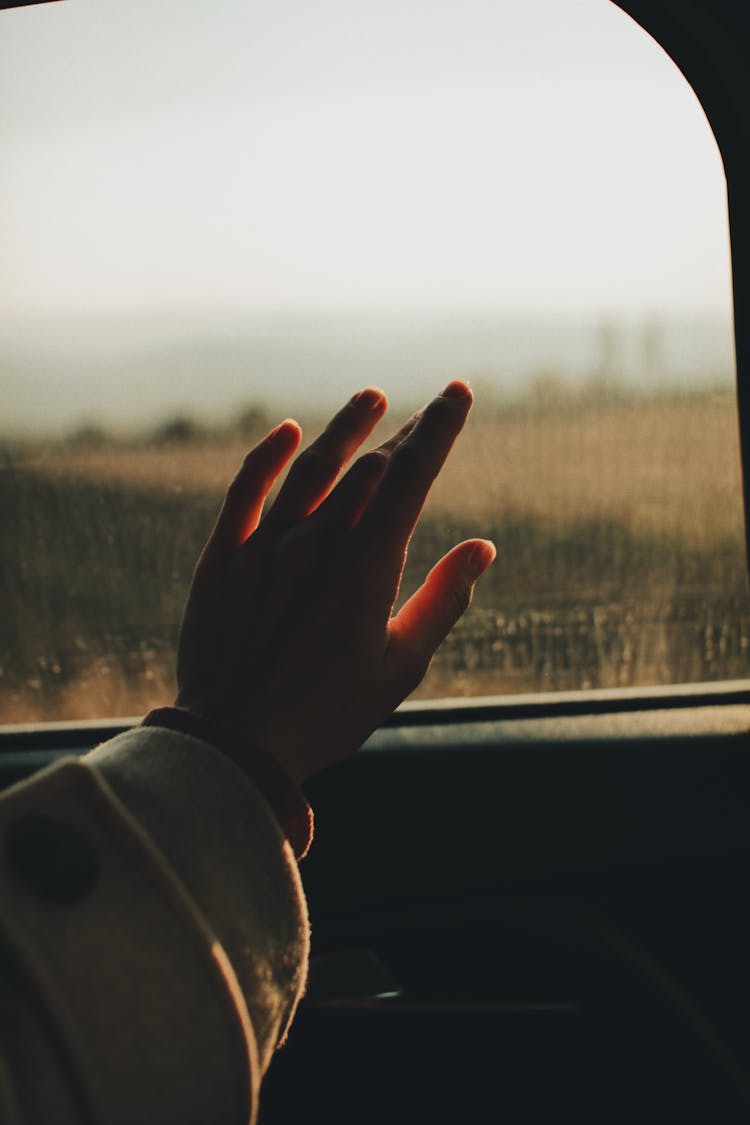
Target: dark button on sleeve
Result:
[[53, 859]]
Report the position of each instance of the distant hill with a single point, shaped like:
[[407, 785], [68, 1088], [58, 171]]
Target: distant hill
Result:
[[125, 372]]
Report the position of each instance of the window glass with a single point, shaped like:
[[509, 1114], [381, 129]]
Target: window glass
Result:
[[216, 215]]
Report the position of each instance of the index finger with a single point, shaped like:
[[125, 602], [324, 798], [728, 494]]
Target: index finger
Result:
[[394, 509], [314, 473]]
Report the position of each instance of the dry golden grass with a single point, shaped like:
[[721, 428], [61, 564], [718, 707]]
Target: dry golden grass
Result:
[[668, 466], [101, 689]]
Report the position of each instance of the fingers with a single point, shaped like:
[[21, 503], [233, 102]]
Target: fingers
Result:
[[246, 494], [430, 613], [315, 471], [395, 440], [343, 507], [413, 466], [345, 504]]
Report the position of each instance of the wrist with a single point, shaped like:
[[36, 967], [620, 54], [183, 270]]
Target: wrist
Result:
[[243, 731], [275, 783]]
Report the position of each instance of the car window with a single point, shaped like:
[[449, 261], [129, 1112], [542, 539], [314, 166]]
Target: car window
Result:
[[214, 216]]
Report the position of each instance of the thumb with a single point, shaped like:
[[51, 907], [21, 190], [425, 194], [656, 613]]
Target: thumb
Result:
[[432, 611]]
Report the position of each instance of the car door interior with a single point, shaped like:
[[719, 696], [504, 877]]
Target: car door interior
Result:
[[533, 909]]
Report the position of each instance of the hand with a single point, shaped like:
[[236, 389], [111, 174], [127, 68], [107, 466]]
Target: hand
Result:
[[287, 635]]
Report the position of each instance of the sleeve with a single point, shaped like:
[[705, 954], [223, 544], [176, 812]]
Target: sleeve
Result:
[[153, 937]]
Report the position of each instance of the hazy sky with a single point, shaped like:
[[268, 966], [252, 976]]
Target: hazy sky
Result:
[[541, 155]]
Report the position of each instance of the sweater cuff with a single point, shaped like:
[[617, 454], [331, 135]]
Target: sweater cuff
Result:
[[285, 798]]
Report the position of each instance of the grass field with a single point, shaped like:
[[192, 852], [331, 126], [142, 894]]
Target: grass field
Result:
[[618, 522]]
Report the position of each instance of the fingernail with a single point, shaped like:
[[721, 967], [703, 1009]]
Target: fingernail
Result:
[[482, 555], [370, 397], [457, 388], [277, 430]]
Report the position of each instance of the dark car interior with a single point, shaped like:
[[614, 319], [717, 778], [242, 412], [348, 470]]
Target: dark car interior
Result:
[[531, 909]]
